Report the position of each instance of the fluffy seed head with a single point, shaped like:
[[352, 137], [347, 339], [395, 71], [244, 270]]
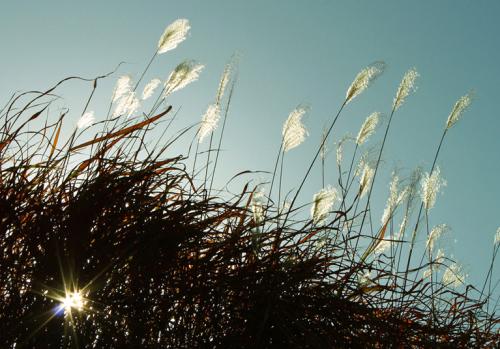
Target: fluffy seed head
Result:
[[460, 106], [454, 275], [496, 241], [406, 86], [184, 74], [257, 206], [128, 105], [322, 204], [86, 120], [366, 178], [122, 87], [435, 233], [173, 35], [395, 198], [430, 187], [363, 80], [226, 76], [367, 128], [324, 148], [209, 121], [150, 88], [294, 131]]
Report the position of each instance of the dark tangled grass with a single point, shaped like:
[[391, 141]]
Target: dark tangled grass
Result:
[[163, 264]]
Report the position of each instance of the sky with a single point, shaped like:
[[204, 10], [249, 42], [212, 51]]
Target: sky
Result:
[[291, 53]]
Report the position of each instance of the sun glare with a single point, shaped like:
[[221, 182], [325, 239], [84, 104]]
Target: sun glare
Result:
[[72, 300]]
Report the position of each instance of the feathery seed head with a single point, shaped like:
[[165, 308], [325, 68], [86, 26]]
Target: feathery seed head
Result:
[[496, 241], [257, 206], [395, 198], [430, 187], [406, 86], [294, 131], [460, 106], [366, 178], [322, 204], [122, 87], [128, 105], [435, 233], [86, 120], [150, 88], [226, 76], [173, 35], [439, 257], [324, 148], [454, 275], [363, 80], [184, 74], [367, 128], [209, 121]]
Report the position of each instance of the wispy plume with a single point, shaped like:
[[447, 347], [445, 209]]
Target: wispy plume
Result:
[[226, 76], [150, 88], [430, 187], [122, 87], [367, 128], [86, 120], [459, 108], [434, 235], [363, 80], [496, 240], [294, 132], [257, 206], [184, 74], [395, 198], [406, 86], [127, 105], [340, 148], [209, 121], [322, 204], [454, 275], [173, 35], [366, 178]]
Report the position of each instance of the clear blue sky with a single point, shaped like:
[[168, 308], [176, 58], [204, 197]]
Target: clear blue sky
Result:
[[298, 52]]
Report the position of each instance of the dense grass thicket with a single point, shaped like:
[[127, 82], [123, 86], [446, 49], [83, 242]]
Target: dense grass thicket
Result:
[[106, 241]]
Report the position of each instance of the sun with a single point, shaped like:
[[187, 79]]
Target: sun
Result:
[[72, 301]]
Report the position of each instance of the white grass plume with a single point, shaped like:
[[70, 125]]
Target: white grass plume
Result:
[[225, 78], [127, 105], [363, 80], [406, 86], [122, 87], [294, 131], [367, 128], [431, 185], [184, 74], [434, 235], [173, 35], [496, 240], [454, 275], [257, 206], [209, 122], [395, 198], [460, 106], [322, 204], [366, 178], [86, 120], [150, 88]]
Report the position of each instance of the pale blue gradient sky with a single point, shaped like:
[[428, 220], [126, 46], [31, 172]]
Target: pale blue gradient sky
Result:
[[296, 52]]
